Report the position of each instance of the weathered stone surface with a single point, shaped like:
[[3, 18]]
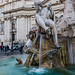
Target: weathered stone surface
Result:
[[57, 62], [27, 62], [69, 13], [73, 4], [73, 45], [46, 58], [67, 23], [19, 61], [67, 29], [47, 63]]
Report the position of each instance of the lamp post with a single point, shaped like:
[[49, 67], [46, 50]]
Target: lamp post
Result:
[[12, 23]]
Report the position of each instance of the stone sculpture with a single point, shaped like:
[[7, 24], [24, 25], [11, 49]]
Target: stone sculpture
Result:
[[39, 44], [19, 61], [44, 18]]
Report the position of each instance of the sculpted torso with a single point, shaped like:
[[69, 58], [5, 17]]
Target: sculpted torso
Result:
[[44, 14]]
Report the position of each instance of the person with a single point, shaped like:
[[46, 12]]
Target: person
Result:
[[21, 49], [0, 47], [44, 18], [6, 50], [7, 47]]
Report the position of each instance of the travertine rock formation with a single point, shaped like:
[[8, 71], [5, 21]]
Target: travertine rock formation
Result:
[[19, 61], [67, 24], [67, 28]]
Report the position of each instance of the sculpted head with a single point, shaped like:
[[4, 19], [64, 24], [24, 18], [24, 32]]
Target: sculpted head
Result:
[[49, 5], [38, 5]]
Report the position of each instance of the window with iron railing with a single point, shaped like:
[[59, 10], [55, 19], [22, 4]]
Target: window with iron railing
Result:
[[2, 11], [1, 27]]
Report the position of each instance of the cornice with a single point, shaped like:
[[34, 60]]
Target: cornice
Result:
[[19, 9], [17, 16], [25, 8], [1, 4], [11, 2], [20, 0]]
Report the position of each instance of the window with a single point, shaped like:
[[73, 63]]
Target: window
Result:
[[13, 36], [1, 27], [2, 11]]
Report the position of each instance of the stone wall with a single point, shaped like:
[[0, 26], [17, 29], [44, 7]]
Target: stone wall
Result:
[[73, 45]]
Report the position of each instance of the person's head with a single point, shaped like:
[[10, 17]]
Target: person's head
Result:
[[38, 5]]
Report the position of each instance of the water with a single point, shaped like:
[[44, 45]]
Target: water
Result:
[[71, 67], [69, 42], [8, 67], [40, 52]]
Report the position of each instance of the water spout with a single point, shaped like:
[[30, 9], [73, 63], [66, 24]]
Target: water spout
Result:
[[40, 51]]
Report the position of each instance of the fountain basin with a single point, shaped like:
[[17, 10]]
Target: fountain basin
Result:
[[8, 67]]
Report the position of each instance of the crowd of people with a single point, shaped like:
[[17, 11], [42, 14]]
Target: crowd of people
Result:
[[7, 50], [4, 48]]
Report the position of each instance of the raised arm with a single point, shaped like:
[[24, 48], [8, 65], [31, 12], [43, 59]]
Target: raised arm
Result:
[[52, 15]]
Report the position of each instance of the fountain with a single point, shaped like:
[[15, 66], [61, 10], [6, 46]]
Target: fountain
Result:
[[41, 52], [42, 45], [42, 41]]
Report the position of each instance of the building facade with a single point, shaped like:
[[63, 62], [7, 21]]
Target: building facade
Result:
[[23, 12]]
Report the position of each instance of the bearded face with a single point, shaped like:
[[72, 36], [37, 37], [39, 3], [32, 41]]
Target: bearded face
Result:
[[49, 6], [38, 5]]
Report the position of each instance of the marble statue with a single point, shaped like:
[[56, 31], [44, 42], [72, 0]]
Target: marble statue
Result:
[[44, 18], [39, 45]]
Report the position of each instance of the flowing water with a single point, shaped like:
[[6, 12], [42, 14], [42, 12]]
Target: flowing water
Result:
[[69, 42], [40, 52], [8, 67]]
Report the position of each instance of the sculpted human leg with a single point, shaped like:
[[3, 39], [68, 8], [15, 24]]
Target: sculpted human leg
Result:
[[40, 22], [55, 38], [55, 34], [52, 26]]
